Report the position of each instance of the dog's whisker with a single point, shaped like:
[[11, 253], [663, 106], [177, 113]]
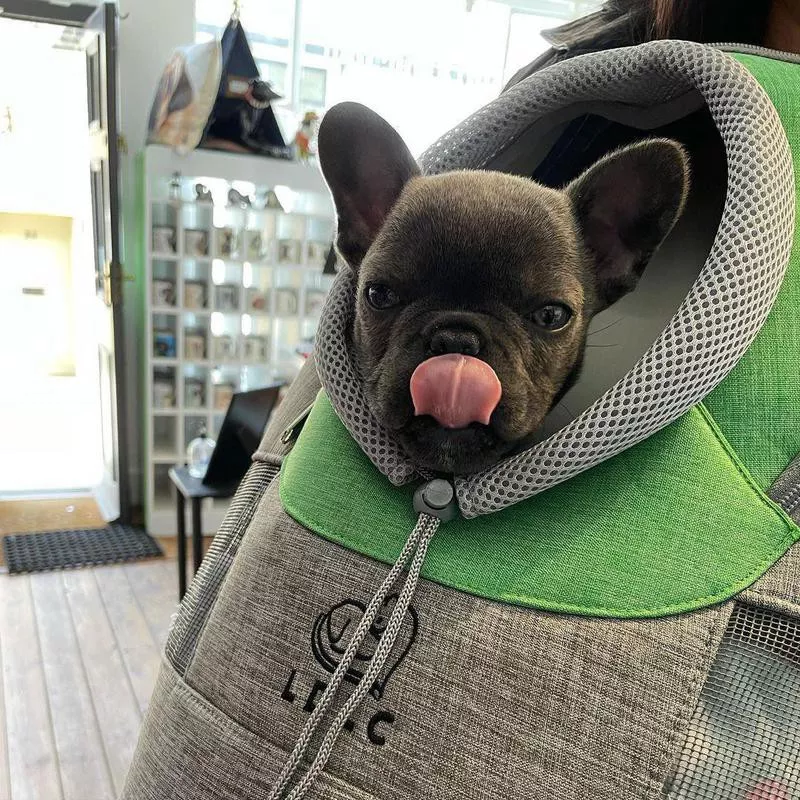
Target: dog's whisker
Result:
[[605, 327], [603, 345]]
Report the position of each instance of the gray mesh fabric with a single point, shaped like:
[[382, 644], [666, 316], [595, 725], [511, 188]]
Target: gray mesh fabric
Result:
[[340, 381], [202, 592], [786, 490], [744, 738], [713, 327]]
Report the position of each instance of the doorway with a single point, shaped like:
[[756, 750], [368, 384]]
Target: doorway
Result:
[[58, 254], [49, 409]]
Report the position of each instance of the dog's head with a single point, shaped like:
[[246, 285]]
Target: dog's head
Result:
[[475, 289]]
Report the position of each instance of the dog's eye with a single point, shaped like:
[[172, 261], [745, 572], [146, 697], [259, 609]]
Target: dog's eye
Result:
[[381, 296], [551, 317]]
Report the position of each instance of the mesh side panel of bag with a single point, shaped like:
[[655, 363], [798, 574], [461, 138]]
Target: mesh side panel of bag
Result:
[[743, 741], [714, 325], [203, 590]]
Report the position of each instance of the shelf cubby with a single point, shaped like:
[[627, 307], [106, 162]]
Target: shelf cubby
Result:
[[165, 437], [195, 336], [195, 289], [195, 387], [162, 486], [164, 389], [164, 335], [164, 284]]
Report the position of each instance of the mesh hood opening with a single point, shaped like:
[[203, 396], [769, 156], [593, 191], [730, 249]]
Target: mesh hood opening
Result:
[[619, 336], [720, 301]]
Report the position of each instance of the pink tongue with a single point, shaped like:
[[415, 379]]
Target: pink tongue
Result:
[[455, 390]]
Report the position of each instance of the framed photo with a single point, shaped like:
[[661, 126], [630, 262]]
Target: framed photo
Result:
[[227, 242], [222, 395], [194, 393], [194, 344], [285, 302], [288, 251], [226, 297], [255, 348], [163, 292], [223, 348], [164, 343], [255, 246], [257, 300], [315, 300], [195, 242], [164, 239], [195, 294], [316, 253], [163, 391]]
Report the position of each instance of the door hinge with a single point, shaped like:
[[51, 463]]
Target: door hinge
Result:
[[112, 284], [98, 145]]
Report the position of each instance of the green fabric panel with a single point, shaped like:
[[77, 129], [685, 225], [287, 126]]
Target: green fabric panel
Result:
[[758, 405], [671, 525]]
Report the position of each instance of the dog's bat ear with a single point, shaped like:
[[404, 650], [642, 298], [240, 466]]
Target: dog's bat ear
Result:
[[366, 165], [625, 205]]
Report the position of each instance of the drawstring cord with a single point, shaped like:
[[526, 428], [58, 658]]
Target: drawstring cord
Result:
[[435, 503], [429, 526]]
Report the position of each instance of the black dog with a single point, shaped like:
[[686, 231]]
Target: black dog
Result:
[[475, 289]]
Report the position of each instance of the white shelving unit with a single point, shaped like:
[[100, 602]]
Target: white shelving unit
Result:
[[233, 296]]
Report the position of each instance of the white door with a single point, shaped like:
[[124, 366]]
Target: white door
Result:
[[101, 63]]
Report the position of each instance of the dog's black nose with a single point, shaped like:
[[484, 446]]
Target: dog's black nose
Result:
[[455, 340]]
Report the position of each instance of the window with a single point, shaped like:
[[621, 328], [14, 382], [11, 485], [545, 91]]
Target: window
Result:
[[423, 65], [312, 88], [525, 40], [276, 72], [270, 22]]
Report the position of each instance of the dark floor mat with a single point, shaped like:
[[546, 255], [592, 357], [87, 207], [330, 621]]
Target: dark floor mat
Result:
[[39, 552]]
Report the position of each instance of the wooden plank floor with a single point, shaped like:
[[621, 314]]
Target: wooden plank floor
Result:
[[79, 653]]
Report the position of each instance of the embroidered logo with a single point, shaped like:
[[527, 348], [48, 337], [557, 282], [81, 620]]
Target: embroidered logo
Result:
[[330, 636], [330, 633]]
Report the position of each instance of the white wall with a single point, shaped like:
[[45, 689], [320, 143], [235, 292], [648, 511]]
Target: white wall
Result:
[[149, 30]]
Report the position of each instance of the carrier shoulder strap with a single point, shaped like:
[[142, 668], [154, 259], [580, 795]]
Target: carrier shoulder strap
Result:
[[289, 416], [203, 591], [786, 490]]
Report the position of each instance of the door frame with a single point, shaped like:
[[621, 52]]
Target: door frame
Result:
[[108, 16], [76, 15]]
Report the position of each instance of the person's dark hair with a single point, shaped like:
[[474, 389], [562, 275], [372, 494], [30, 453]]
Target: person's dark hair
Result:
[[741, 21], [620, 23]]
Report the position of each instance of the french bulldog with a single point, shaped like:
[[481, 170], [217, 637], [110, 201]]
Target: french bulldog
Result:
[[476, 288]]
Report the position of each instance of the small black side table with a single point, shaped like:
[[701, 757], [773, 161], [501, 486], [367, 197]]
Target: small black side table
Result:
[[193, 489]]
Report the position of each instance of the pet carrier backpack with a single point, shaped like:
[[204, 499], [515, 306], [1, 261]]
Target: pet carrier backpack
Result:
[[613, 614]]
